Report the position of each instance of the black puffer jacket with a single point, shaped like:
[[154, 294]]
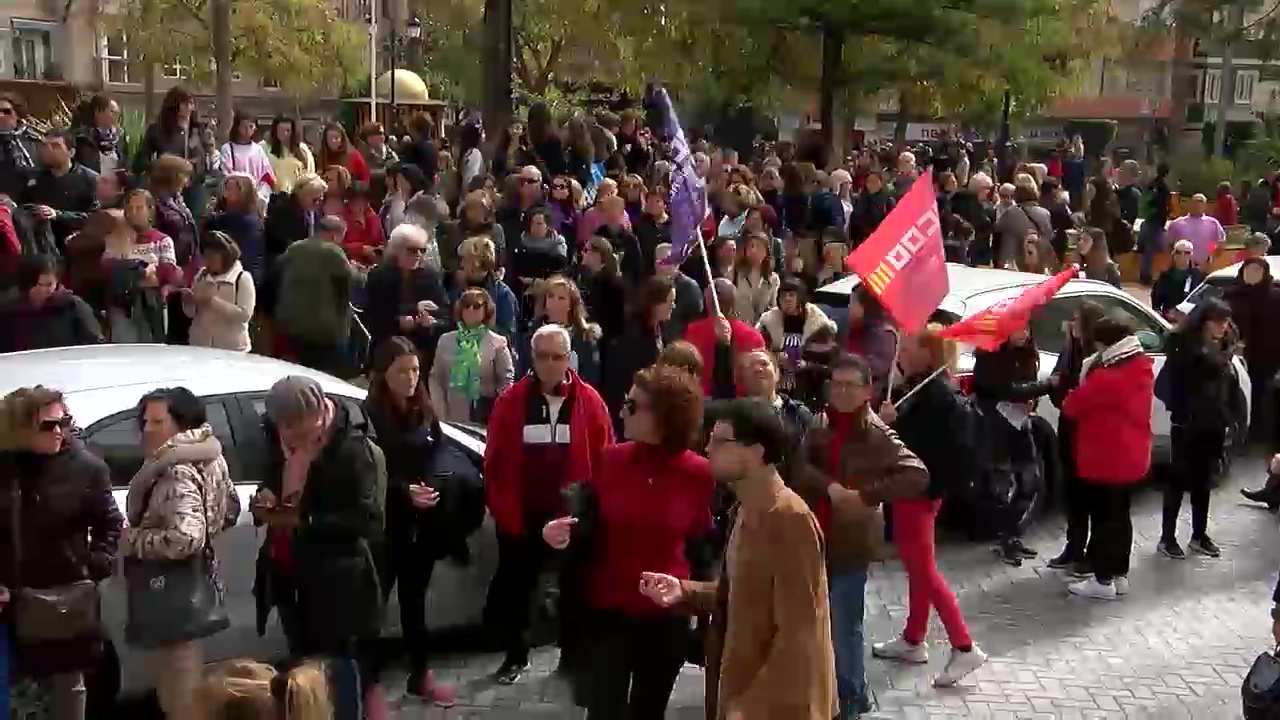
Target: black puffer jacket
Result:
[[942, 429], [390, 295], [70, 530], [64, 320], [1255, 309], [1200, 382]]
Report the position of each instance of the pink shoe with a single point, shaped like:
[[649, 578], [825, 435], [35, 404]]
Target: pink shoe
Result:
[[438, 694], [375, 704]]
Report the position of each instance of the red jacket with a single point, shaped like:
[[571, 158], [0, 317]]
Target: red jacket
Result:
[[1226, 210], [10, 245], [363, 235], [589, 427], [702, 335], [651, 502], [1112, 412]]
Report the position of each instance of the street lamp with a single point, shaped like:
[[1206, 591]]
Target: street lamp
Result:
[[414, 30], [372, 19]]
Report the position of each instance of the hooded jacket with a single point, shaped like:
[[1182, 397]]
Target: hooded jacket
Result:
[[180, 498], [63, 320], [1111, 409], [1254, 309]]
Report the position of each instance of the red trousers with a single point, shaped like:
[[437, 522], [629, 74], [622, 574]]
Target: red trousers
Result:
[[913, 522]]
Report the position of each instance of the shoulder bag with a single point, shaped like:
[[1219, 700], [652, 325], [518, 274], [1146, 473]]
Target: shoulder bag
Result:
[[173, 601], [60, 613]]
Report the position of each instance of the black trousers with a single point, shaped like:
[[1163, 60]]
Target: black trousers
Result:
[[409, 566], [631, 665], [1112, 540], [1195, 460], [509, 606], [1076, 494]]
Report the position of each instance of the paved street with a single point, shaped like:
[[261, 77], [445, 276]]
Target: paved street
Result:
[[1176, 647]]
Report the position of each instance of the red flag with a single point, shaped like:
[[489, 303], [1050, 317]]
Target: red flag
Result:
[[990, 328], [903, 262]]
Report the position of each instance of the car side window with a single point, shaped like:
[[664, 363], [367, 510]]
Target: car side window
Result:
[[1139, 320], [1047, 324], [118, 441]]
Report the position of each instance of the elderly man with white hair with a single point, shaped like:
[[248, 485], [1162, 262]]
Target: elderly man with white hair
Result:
[[906, 175], [546, 434], [404, 295]]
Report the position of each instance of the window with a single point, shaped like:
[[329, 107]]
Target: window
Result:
[[1245, 82], [1140, 320], [113, 52], [270, 83], [1048, 324], [32, 52], [118, 441], [176, 70]]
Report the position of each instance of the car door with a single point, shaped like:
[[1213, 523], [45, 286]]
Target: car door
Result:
[[117, 440]]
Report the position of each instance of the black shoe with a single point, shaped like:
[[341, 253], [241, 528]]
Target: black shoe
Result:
[[1023, 550], [1265, 495], [1171, 549], [1205, 546], [1010, 554], [1065, 560], [510, 672], [1082, 569]]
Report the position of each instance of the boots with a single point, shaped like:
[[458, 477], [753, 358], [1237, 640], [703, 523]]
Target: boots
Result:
[[1268, 494]]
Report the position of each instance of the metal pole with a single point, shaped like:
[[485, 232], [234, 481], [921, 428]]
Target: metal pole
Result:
[[395, 111], [373, 61]]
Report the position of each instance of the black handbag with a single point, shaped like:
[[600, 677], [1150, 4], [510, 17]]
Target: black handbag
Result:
[[174, 601], [55, 614], [1260, 692]]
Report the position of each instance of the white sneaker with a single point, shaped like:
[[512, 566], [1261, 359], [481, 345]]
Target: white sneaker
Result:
[[1091, 588], [960, 665], [902, 651], [1121, 584]]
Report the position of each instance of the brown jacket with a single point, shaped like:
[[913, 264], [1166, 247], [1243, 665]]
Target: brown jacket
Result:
[[769, 654], [875, 467]]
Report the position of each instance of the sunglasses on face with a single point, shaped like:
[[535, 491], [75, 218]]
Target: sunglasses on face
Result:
[[550, 356], [559, 186], [6, 111], [61, 423], [1181, 252], [416, 250], [473, 305]]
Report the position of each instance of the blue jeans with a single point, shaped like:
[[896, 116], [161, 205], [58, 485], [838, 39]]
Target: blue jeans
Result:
[[1151, 243], [848, 592]]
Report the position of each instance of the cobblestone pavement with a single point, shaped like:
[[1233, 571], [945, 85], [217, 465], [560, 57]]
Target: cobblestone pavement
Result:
[[1177, 646]]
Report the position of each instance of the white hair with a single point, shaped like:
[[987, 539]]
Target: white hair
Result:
[[402, 234], [310, 181], [980, 181], [552, 330], [532, 171], [906, 156]]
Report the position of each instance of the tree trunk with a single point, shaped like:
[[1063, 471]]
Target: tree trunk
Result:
[[1179, 85], [496, 107], [1227, 82], [832, 62], [221, 31], [900, 124]]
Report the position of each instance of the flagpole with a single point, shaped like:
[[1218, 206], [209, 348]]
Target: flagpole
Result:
[[893, 367], [706, 265], [916, 389]]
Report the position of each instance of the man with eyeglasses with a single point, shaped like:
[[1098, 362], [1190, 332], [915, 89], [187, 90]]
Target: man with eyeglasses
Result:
[[19, 145], [769, 652], [546, 434]]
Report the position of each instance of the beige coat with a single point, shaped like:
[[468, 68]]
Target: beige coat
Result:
[[166, 516], [769, 653], [223, 322], [497, 374], [754, 300]]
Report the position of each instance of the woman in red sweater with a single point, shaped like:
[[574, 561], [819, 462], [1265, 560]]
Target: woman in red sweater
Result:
[[337, 150], [649, 498], [1111, 409]]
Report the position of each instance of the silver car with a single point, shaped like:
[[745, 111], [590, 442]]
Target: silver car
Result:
[[103, 384]]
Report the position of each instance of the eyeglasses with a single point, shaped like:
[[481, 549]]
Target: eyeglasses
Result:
[[630, 406], [6, 111], [473, 305], [1181, 252], [559, 186], [550, 356], [416, 249], [529, 181], [61, 423]]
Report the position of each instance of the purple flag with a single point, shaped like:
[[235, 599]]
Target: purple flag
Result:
[[688, 201]]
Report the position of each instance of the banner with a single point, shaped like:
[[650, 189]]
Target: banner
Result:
[[688, 194], [990, 328], [903, 263]]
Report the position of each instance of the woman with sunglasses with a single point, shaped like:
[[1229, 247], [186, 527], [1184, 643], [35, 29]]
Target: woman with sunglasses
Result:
[[563, 206], [404, 295], [472, 364], [649, 497], [67, 532]]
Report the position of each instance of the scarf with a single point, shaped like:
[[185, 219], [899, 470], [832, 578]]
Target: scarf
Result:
[[13, 154], [464, 373], [107, 140], [1125, 348]]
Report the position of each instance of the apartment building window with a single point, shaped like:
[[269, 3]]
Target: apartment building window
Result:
[[176, 70], [32, 46], [113, 53], [1246, 80]]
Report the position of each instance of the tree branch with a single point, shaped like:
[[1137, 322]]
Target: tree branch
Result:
[[194, 11], [548, 67]]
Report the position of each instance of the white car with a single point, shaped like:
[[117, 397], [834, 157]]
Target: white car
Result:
[[973, 290], [102, 385], [1218, 280]]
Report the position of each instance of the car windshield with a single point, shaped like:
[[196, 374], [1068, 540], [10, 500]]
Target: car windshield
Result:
[[1211, 287]]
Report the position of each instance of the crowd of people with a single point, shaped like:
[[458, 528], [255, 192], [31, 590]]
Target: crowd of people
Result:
[[672, 438]]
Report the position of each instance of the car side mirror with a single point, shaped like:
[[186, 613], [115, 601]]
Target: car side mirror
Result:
[[1148, 340]]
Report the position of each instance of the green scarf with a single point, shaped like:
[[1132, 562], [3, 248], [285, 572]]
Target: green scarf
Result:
[[464, 374]]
